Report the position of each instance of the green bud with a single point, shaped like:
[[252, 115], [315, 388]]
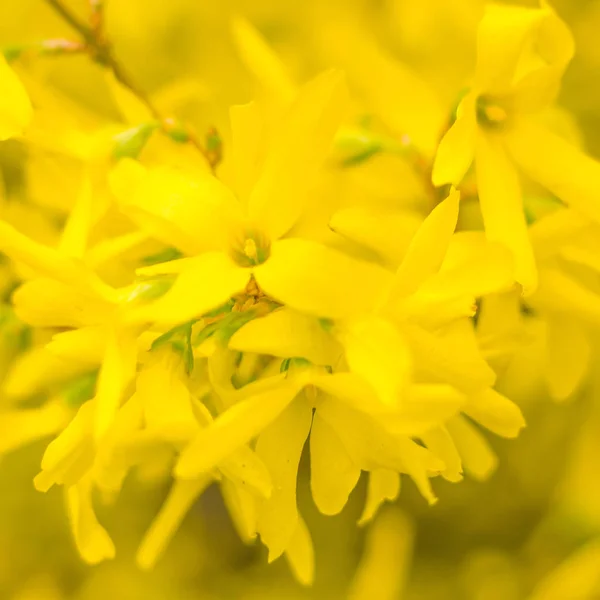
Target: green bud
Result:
[[130, 143]]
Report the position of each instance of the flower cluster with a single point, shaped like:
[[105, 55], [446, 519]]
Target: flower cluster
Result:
[[203, 308]]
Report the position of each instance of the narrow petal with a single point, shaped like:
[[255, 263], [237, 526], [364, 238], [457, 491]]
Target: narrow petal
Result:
[[440, 442], [208, 281], [378, 352], [456, 151], [502, 208], [427, 249], [287, 333], [280, 447], [384, 485], [262, 62], [568, 356], [385, 565], [15, 107], [317, 280], [48, 262], [116, 373], [232, 429], [477, 457], [181, 498], [193, 213], [385, 231], [559, 166], [302, 142], [92, 540], [248, 471], [300, 554], [23, 426], [495, 412], [333, 474], [77, 230], [452, 359], [247, 132], [87, 344], [242, 507]]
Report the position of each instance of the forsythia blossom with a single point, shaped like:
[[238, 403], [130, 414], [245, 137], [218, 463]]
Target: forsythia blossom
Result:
[[207, 310]]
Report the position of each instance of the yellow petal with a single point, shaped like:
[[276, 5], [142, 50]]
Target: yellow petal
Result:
[[457, 149], [15, 107], [48, 262], [568, 356], [502, 208], [116, 373], [333, 474], [300, 554], [478, 459], [287, 333], [78, 227], [243, 509], [427, 249], [386, 232], [280, 447], [23, 426], [195, 214], [377, 351], [49, 303], [495, 412], [247, 132], [92, 540], [560, 167], [262, 62], [452, 359], [86, 344], [315, 279], [247, 470], [181, 498], [385, 564], [515, 42], [440, 442], [234, 428], [383, 485], [208, 281], [301, 144], [161, 378]]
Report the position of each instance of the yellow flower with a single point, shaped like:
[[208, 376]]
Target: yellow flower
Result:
[[522, 54], [15, 108], [232, 239]]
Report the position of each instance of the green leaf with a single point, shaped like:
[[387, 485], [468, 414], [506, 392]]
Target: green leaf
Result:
[[129, 143]]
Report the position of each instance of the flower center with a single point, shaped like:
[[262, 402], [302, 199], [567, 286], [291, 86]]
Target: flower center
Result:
[[491, 112], [251, 249]]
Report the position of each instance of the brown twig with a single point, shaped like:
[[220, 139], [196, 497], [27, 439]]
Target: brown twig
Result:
[[101, 51]]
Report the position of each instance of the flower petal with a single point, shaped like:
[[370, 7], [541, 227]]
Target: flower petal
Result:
[[502, 208], [92, 540], [559, 166], [377, 351], [301, 144], [15, 107], [300, 554], [496, 413], [280, 447], [383, 485], [333, 474], [427, 249], [181, 498], [287, 333], [456, 151], [568, 356], [232, 429], [317, 280], [193, 213], [207, 281]]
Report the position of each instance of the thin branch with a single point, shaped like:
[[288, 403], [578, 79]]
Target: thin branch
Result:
[[100, 50]]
